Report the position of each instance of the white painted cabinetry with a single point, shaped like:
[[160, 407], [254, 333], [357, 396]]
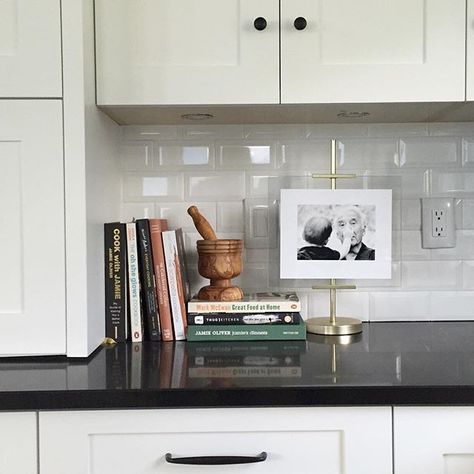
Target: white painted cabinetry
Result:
[[171, 52], [470, 51], [302, 440], [373, 51], [434, 440], [32, 289], [187, 52], [30, 48], [18, 443]]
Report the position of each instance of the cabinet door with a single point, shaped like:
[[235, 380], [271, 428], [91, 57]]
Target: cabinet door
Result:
[[434, 440], [187, 52], [30, 48], [302, 440], [470, 51], [18, 446], [373, 51], [32, 294]]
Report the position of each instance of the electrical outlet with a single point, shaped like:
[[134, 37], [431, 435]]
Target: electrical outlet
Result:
[[437, 223]]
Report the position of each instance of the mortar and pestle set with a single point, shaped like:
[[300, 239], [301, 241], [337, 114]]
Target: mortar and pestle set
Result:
[[220, 260]]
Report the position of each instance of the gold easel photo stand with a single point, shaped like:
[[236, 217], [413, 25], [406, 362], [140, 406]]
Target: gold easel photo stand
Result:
[[333, 325]]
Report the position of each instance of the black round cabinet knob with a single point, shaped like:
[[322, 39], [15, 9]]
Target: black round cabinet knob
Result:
[[300, 23], [260, 23]]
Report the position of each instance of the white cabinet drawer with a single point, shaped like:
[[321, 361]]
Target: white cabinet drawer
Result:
[[302, 440], [18, 446], [434, 440]]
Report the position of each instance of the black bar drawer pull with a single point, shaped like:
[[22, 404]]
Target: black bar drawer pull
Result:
[[216, 460]]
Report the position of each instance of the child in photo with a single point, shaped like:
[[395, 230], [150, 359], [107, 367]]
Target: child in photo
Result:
[[316, 232]]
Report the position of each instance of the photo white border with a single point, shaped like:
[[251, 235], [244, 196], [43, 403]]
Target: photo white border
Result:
[[291, 267]]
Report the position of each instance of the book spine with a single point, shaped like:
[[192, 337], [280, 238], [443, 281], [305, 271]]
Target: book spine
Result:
[[243, 318], [157, 226], [134, 284], [237, 372], [115, 281], [173, 273], [244, 333], [243, 307], [147, 281], [183, 265]]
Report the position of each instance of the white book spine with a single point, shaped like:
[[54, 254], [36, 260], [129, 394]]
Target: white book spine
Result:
[[133, 284], [170, 248]]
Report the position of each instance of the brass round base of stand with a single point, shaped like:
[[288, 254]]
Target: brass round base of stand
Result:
[[341, 327]]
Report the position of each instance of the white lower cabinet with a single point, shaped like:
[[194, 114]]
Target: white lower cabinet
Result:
[[434, 440], [18, 445], [300, 440]]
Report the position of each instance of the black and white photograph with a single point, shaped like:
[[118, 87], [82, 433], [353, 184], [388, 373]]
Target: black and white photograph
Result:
[[335, 233]]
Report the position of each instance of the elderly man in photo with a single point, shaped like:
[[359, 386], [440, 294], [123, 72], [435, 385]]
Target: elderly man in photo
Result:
[[350, 218]]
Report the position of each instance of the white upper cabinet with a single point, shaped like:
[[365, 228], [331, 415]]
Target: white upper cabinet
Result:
[[170, 52], [372, 51], [470, 51], [30, 48], [187, 51], [32, 288]]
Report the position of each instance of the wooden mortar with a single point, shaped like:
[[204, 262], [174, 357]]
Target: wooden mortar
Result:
[[220, 260]]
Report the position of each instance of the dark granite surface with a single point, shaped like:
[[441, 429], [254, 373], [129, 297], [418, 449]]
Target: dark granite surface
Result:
[[388, 364]]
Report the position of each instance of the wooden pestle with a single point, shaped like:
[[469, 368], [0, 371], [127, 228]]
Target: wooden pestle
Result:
[[201, 223]]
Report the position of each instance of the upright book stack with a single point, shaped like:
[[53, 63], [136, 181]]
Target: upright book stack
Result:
[[146, 286], [259, 316]]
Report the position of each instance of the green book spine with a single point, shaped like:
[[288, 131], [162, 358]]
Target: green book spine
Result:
[[257, 332]]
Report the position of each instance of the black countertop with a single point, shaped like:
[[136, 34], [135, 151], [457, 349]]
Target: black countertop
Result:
[[388, 364]]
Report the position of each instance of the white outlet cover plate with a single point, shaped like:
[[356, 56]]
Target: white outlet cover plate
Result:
[[429, 238]]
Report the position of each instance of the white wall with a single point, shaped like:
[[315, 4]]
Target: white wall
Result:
[[167, 168]]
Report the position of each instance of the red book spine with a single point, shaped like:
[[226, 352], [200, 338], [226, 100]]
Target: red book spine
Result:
[[157, 226]]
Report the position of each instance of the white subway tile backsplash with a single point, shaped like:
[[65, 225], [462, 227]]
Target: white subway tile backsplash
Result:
[[313, 156], [400, 306], [468, 274], [136, 155], [215, 186], [451, 128], [176, 155], [230, 216], [329, 130], [429, 151], [177, 215], [411, 246], [165, 169], [380, 130], [373, 154], [452, 305], [152, 186], [468, 214], [278, 131], [212, 131], [431, 274], [411, 214], [453, 183], [130, 211], [150, 132], [245, 155], [254, 277]]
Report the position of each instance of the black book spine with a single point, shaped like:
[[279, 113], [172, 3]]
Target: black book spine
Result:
[[246, 319], [147, 279], [115, 281]]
